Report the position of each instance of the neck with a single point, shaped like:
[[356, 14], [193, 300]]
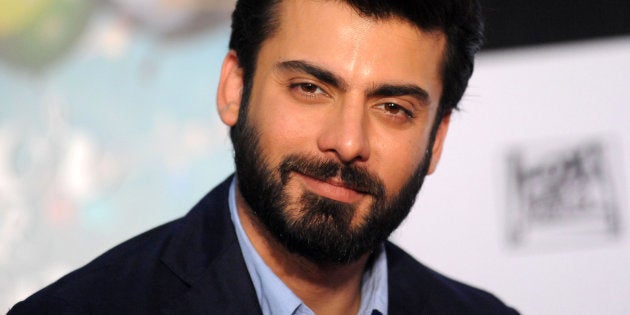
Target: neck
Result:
[[324, 288]]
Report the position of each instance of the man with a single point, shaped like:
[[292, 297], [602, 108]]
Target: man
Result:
[[337, 109]]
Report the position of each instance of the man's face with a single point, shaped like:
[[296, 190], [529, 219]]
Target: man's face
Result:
[[336, 141]]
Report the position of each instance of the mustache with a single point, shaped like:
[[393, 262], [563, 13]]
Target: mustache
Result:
[[352, 176]]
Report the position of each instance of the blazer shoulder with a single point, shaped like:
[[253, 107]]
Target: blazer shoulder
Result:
[[142, 273], [415, 286], [111, 281]]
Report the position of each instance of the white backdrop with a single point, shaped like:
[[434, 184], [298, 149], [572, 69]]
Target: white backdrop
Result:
[[552, 93]]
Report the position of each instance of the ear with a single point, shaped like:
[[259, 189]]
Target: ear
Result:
[[230, 89], [440, 136]]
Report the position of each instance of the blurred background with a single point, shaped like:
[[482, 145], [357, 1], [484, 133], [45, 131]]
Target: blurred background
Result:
[[108, 128]]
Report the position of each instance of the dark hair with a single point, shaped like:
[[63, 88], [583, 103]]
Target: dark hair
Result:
[[253, 21]]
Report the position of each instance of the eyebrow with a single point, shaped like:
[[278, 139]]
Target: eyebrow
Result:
[[319, 73], [383, 90], [393, 90]]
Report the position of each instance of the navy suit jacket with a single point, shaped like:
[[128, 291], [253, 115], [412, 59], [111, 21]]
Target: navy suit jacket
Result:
[[194, 265]]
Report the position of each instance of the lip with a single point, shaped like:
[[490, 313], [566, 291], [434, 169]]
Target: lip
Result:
[[332, 189]]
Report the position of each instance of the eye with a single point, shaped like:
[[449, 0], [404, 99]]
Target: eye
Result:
[[307, 89], [395, 109]]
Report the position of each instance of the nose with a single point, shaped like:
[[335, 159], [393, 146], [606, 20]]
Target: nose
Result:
[[345, 132]]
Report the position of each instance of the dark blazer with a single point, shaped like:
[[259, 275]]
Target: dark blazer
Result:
[[194, 265]]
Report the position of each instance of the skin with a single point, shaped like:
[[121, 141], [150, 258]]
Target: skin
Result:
[[323, 87]]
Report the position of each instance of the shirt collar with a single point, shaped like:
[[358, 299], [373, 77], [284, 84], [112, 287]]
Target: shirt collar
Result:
[[275, 297]]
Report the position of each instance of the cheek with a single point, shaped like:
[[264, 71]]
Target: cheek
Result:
[[284, 127], [397, 159]]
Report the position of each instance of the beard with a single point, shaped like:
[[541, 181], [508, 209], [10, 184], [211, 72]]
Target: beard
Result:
[[309, 225]]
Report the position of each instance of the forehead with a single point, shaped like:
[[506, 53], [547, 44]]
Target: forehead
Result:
[[358, 48]]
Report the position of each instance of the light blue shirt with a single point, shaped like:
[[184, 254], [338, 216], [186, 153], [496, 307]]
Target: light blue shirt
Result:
[[275, 298]]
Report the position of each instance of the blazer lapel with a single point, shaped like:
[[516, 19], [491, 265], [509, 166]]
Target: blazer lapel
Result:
[[408, 289], [225, 288], [205, 254]]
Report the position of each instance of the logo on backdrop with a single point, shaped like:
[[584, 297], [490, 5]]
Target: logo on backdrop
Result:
[[563, 194]]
